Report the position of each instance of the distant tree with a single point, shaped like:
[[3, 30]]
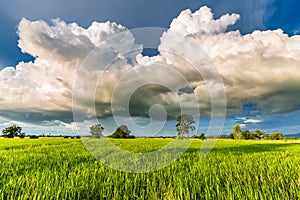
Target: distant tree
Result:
[[202, 136], [252, 136], [12, 131], [246, 135], [122, 132], [277, 136], [237, 133], [184, 125], [34, 137], [266, 136], [22, 135], [231, 135], [258, 134], [96, 130]]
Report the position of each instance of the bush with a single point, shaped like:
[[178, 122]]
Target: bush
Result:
[[33, 137], [277, 136], [122, 132], [22, 135], [202, 136]]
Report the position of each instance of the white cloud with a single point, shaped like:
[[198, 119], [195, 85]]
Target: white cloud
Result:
[[252, 121], [201, 22], [261, 67], [243, 126], [47, 83]]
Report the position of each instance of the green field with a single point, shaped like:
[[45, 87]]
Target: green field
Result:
[[57, 168]]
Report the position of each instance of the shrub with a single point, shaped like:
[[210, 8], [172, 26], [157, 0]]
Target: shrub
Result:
[[202, 136], [33, 137], [277, 136], [122, 132]]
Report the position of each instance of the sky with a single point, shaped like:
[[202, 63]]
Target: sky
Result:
[[48, 86]]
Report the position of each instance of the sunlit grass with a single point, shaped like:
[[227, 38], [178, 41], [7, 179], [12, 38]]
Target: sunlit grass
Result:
[[141, 145], [57, 168]]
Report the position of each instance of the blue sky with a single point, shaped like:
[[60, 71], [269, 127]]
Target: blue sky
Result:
[[254, 15], [262, 15]]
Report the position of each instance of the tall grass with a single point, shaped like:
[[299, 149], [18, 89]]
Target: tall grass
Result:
[[56, 168]]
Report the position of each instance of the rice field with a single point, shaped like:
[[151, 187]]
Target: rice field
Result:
[[58, 168]]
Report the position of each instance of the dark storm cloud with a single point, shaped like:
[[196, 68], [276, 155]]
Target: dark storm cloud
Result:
[[37, 117]]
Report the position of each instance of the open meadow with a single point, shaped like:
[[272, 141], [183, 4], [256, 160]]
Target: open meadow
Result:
[[58, 168]]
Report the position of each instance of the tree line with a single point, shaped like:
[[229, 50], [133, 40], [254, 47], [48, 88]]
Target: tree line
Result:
[[185, 125], [16, 131], [122, 131], [238, 133]]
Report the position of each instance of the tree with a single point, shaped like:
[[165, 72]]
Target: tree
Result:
[[12, 131], [184, 125], [266, 136], [236, 132], [122, 132], [96, 130], [246, 134], [277, 136], [22, 135], [202, 136], [231, 135], [258, 134], [252, 136]]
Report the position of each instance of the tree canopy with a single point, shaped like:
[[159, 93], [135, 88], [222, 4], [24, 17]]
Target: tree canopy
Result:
[[13, 131], [96, 130], [184, 125], [257, 134], [122, 132], [277, 136]]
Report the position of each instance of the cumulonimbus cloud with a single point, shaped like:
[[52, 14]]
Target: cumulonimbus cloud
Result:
[[36, 89], [261, 67]]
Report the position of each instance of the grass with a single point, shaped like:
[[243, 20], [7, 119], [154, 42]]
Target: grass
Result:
[[57, 168]]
